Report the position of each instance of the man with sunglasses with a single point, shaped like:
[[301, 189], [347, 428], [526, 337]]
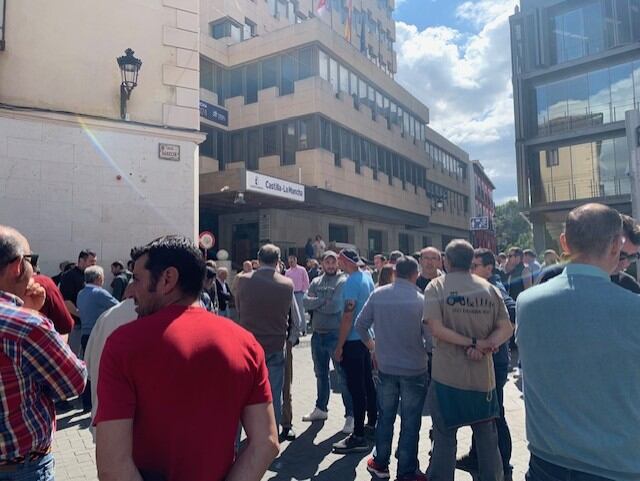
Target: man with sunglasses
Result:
[[628, 255], [37, 367]]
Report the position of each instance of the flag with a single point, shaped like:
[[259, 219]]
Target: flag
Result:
[[347, 26], [363, 39], [322, 6]]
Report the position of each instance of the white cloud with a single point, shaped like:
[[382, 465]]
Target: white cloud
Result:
[[464, 77]]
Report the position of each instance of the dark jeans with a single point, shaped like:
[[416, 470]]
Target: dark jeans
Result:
[[39, 470], [540, 470], [411, 390], [86, 394], [504, 435], [356, 363]]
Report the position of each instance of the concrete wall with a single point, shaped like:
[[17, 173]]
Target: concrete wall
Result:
[[62, 56], [69, 184]]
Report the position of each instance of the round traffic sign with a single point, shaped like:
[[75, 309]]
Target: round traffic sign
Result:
[[207, 240]]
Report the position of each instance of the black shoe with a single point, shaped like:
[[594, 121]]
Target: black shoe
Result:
[[467, 463], [369, 431], [287, 434], [351, 444]]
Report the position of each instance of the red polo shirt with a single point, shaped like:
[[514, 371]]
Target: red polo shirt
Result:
[[184, 376]]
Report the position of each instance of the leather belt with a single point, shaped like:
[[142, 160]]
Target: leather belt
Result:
[[13, 464]]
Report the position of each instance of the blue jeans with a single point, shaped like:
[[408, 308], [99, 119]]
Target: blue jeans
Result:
[[275, 366], [323, 346], [541, 470], [39, 470], [412, 391]]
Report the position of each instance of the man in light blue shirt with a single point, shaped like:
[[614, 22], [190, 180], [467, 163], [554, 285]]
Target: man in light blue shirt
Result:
[[579, 345], [353, 354], [92, 301]]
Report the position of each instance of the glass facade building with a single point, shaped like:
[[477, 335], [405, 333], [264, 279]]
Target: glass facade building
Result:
[[576, 72]]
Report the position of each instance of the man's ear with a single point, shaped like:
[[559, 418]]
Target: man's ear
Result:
[[563, 243], [168, 280]]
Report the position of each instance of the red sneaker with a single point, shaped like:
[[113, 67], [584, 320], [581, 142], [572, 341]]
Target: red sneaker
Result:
[[376, 469]]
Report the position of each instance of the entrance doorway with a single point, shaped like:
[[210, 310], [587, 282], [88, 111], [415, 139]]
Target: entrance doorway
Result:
[[245, 243]]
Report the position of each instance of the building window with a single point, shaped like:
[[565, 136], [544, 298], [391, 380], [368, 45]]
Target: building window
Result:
[[338, 233], [344, 78], [333, 74], [237, 147], [236, 80], [404, 243], [325, 134], [289, 143], [206, 74], [323, 65], [306, 63], [304, 128], [249, 30], [269, 72], [270, 140], [253, 149], [252, 84], [375, 242], [288, 74]]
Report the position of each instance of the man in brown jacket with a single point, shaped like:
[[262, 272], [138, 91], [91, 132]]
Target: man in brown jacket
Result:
[[263, 299]]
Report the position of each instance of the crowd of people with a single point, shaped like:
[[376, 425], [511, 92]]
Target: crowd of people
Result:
[[433, 330]]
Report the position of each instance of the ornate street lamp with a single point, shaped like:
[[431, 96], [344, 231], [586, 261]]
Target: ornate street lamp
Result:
[[129, 68]]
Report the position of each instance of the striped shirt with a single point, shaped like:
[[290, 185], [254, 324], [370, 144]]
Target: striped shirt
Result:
[[37, 368]]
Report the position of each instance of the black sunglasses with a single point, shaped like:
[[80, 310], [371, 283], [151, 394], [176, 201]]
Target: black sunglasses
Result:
[[630, 257]]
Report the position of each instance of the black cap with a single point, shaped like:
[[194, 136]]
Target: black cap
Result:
[[352, 256]]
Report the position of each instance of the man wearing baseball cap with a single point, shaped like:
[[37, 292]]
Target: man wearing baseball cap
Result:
[[354, 355]]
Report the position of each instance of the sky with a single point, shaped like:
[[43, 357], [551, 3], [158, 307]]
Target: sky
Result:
[[454, 55]]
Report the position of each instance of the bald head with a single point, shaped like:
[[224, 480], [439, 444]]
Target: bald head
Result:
[[430, 262], [593, 234]]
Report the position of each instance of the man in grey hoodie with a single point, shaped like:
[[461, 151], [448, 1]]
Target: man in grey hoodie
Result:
[[324, 300], [400, 351]]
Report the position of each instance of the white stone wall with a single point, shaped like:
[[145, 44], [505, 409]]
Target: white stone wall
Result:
[[69, 184]]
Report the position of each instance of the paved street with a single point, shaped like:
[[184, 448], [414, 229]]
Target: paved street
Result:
[[309, 457]]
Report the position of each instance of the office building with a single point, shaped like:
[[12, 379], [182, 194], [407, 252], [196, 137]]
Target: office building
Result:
[[308, 133], [576, 71]]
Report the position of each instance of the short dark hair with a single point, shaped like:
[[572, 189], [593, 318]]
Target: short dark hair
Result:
[[591, 228], [486, 256], [631, 229], [84, 253], [516, 251], [269, 254], [174, 251], [117, 264], [406, 266], [530, 253], [460, 254]]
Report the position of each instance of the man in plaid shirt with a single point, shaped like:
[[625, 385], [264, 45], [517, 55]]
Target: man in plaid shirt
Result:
[[37, 367]]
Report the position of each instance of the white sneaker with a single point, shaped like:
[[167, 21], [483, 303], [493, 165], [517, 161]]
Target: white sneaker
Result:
[[316, 415], [348, 425]]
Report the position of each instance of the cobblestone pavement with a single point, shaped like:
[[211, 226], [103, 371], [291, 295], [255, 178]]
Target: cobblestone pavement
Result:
[[309, 456]]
